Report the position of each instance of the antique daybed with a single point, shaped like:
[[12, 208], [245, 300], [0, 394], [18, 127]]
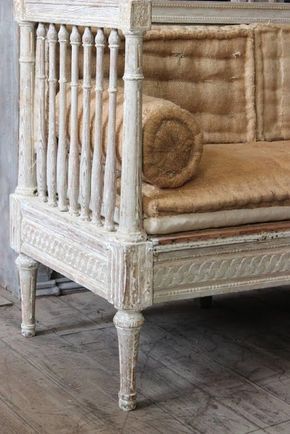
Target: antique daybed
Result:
[[186, 195]]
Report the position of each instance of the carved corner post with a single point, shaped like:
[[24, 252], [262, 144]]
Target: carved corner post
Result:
[[130, 274], [27, 268], [135, 18], [26, 170], [131, 292]]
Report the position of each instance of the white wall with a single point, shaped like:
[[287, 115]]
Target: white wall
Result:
[[8, 137]]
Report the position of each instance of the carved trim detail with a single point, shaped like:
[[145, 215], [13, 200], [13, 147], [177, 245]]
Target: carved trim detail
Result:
[[81, 259], [141, 15], [221, 5], [219, 12], [201, 271]]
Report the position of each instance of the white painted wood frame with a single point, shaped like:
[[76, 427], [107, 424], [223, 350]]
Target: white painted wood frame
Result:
[[119, 263]]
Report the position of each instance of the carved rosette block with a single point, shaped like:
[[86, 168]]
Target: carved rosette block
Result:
[[128, 325], [27, 268], [135, 15]]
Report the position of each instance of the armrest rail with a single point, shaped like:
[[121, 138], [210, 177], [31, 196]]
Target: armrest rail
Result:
[[108, 13]]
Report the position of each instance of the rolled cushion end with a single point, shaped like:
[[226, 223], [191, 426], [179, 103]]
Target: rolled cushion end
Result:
[[172, 144]]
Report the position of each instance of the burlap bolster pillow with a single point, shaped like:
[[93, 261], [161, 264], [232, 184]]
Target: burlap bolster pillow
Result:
[[172, 144]]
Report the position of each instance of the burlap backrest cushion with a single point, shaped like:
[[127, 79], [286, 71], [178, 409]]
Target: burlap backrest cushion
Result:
[[272, 58], [208, 71]]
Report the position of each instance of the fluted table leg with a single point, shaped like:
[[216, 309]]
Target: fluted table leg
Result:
[[128, 325], [27, 268]]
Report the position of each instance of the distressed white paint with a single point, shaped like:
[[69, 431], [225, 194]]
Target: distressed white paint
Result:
[[128, 325], [63, 38], [73, 170], [125, 267], [110, 167], [108, 13], [85, 171], [97, 169], [130, 225], [26, 167], [27, 268], [40, 116], [51, 145]]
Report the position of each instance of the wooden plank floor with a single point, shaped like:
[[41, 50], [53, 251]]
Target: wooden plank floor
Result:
[[225, 370]]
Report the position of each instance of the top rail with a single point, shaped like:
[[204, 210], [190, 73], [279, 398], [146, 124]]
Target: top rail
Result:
[[100, 13], [214, 12], [110, 13]]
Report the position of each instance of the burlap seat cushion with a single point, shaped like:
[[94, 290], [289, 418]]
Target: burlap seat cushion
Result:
[[229, 177], [172, 141]]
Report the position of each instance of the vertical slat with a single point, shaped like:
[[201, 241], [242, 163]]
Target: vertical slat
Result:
[[97, 172], [62, 145], [26, 173], [40, 112], [51, 143], [110, 166], [73, 171], [85, 167]]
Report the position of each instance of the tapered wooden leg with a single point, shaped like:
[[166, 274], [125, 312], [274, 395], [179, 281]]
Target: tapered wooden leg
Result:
[[205, 302], [27, 269], [128, 325]]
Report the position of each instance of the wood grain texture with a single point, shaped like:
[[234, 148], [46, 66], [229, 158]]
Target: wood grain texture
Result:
[[124, 266], [108, 14], [131, 225], [110, 165], [74, 161], [26, 167], [62, 157], [214, 12], [85, 165], [40, 112], [97, 167], [27, 269], [223, 370], [52, 146]]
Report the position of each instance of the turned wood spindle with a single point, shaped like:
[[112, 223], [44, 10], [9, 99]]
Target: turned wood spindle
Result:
[[97, 169], [51, 142], [85, 167], [110, 166], [39, 107], [63, 38], [73, 171]]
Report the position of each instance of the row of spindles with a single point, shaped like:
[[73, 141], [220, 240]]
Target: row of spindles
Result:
[[75, 182]]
